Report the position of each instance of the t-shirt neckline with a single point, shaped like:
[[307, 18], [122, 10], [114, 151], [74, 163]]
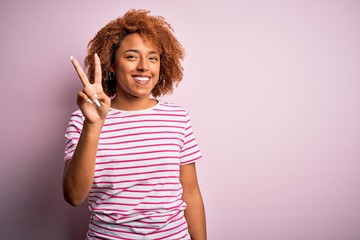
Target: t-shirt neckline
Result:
[[136, 111]]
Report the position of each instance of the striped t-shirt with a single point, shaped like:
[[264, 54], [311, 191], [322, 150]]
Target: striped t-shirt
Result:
[[136, 192]]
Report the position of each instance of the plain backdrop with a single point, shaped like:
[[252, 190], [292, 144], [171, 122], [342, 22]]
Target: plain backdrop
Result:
[[273, 91]]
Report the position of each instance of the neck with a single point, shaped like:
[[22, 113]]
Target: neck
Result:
[[128, 104]]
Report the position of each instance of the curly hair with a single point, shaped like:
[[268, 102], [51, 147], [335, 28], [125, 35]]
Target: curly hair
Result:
[[152, 28]]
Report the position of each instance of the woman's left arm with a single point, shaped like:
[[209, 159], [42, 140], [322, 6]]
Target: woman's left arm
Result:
[[195, 211]]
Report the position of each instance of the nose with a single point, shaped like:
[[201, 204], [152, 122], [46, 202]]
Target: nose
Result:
[[142, 65]]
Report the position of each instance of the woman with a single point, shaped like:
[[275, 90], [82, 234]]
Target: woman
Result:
[[130, 154]]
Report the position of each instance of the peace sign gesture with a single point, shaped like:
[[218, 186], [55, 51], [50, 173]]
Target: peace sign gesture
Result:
[[92, 100]]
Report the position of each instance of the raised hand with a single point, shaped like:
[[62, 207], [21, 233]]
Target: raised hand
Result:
[[92, 100]]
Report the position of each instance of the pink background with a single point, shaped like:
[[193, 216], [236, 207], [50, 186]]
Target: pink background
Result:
[[273, 89]]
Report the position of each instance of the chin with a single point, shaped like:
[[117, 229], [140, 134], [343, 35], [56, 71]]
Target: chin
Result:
[[141, 95]]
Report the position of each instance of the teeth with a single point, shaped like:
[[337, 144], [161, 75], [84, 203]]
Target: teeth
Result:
[[142, 78]]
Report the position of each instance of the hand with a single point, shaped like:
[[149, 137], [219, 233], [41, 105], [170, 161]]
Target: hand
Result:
[[92, 100]]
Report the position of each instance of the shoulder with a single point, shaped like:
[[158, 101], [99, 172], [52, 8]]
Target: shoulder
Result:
[[77, 115], [76, 118], [171, 107]]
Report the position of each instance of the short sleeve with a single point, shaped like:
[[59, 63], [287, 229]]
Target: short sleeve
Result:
[[190, 151], [72, 134]]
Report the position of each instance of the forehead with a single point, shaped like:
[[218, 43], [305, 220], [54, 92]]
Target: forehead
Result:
[[138, 42]]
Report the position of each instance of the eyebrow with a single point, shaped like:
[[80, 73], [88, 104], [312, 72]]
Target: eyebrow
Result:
[[137, 51]]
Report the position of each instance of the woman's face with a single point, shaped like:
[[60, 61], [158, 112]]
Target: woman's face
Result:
[[136, 67]]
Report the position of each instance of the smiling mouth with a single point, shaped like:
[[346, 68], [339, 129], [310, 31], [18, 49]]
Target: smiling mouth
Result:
[[142, 79]]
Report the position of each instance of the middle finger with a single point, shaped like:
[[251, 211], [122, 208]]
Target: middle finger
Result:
[[80, 71]]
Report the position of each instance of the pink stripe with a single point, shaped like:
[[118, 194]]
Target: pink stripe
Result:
[[162, 207], [137, 160], [92, 198], [188, 148], [69, 147], [139, 127], [141, 214], [134, 180], [175, 190], [141, 140], [133, 191], [72, 125], [154, 197], [167, 110], [142, 227], [117, 211], [114, 113], [134, 204], [68, 140], [189, 141], [134, 174], [190, 154], [80, 122], [132, 167], [141, 121], [70, 152], [107, 235], [190, 161], [135, 209], [155, 184], [77, 117], [152, 115], [153, 222], [165, 196], [114, 203], [150, 203], [184, 229], [134, 153], [141, 133], [189, 134], [72, 132], [124, 189], [108, 216], [75, 138], [174, 218], [128, 197], [167, 230], [139, 146]]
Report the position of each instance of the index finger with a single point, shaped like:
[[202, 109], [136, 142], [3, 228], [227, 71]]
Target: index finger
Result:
[[80, 71], [97, 69]]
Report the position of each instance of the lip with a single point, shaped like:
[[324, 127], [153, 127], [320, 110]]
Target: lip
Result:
[[141, 82]]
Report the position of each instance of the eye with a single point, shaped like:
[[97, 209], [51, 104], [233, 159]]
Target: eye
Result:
[[153, 58], [131, 57]]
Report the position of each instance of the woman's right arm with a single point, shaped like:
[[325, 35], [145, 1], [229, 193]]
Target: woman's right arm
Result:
[[79, 171], [94, 104]]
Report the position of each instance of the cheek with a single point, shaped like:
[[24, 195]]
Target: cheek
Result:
[[122, 71], [156, 69]]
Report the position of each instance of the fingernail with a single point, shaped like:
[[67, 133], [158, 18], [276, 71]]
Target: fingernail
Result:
[[71, 57], [96, 55], [89, 101], [97, 102]]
